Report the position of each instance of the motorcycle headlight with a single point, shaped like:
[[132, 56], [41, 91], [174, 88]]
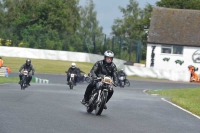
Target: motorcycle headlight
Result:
[[107, 80]]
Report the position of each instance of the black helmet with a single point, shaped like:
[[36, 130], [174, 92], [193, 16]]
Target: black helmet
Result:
[[108, 53], [28, 61]]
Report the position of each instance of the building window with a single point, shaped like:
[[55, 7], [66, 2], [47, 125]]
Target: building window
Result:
[[177, 49], [172, 49], [166, 49]]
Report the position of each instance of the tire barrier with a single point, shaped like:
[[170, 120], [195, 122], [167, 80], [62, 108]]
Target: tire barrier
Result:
[[40, 81], [3, 71]]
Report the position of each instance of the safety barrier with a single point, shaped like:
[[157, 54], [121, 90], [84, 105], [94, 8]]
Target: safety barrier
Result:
[[40, 81], [173, 75], [3, 71], [54, 55]]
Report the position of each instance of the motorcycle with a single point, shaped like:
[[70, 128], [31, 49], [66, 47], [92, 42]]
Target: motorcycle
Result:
[[127, 83], [71, 81], [123, 82], [88, 78], [99, 95], [23, 83]]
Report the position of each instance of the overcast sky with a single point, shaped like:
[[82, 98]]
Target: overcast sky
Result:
[[107, 11]]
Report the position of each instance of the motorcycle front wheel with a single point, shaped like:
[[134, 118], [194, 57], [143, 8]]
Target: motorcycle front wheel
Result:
[[100, 105], [127, 83]]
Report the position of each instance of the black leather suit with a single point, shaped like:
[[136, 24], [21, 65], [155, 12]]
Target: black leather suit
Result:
[[72, 71], [29, 68], [99, 69]]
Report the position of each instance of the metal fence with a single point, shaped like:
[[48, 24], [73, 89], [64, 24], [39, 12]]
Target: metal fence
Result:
[[124, 48]]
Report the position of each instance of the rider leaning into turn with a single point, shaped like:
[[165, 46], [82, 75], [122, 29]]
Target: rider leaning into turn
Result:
[[29, 67], [101, 68], [72, 70]]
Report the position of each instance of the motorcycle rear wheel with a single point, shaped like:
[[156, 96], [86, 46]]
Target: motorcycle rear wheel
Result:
[[87, 79]]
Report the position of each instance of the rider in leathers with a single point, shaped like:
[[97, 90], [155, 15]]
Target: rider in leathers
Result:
[[29, 67], [122, 73], [101, 68], [72, 70]]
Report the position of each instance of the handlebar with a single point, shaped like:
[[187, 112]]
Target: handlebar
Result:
[[99, 78]]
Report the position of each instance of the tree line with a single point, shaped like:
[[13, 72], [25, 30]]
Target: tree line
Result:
[[64, 25]]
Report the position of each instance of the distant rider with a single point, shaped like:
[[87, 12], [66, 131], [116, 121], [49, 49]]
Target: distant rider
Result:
[[73, 70], [122, 73], [29, 67]]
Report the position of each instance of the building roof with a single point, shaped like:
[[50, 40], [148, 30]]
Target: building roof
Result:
[[175, 26]]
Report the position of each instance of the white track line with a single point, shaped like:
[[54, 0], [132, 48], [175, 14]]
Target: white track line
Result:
[[180, 108], [145, 92]]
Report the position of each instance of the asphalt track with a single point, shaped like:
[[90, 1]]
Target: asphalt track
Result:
[[54, 108]]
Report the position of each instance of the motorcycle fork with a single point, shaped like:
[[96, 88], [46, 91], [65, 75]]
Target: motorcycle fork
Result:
[[99, 96], [105, 94]]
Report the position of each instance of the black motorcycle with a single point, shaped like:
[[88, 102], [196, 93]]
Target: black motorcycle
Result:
[[123, 82], [24, 81], [99, 95], [72, 80], [88, 78]]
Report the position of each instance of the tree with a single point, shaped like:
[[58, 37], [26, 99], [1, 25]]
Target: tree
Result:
[[130, 28], [145, 22], [180, 4], [40, 23], [129, 25], [90, 26]]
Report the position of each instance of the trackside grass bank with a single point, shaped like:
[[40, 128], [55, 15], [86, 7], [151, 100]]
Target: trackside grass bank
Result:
[[52, 66], [45, 66], [11, 80], [188, 99], [8, 80]]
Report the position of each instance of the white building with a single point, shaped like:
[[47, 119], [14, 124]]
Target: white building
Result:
[[175, 36]]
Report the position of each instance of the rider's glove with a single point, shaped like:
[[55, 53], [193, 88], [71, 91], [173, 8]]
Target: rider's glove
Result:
[[115, 82], [94, 76], [101, 75]]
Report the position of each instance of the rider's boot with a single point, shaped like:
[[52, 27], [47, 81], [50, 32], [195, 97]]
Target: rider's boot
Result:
[[105, 107], [83, 101]]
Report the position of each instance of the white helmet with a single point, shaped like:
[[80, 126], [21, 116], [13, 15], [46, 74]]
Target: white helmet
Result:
[[109, 54], [73, 65]]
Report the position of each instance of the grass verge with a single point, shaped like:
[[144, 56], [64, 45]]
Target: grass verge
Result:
[[52, 66], [188, 98], [9, 80], [45, 66]]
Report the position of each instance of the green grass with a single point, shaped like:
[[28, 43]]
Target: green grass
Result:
[[45, 66], [48, 66], [189, 98], [9, 80]]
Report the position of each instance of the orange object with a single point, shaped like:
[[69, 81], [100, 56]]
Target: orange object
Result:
[[8, 69], [194, 77], [1, 63]]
